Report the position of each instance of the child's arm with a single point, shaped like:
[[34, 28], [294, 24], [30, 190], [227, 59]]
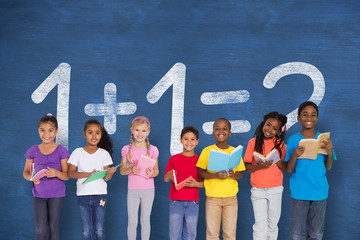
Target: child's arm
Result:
[[207, 175], [26, 172], [281, 165], [169, 176], [125, 170], [294, 156], [110, 172], [194, 183], [72, 173], [62, 175], [153, 172], [260, 165], [330, 157]]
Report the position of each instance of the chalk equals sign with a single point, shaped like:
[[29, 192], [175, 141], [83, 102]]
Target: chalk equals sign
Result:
[[227, 97]]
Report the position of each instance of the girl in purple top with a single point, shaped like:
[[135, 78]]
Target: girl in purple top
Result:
[[49, 191]]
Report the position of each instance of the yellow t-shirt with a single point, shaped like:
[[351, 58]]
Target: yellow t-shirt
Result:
[[219, 187]]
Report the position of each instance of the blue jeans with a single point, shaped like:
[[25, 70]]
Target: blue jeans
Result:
[[92, 213], [307, 219], [183, 218]]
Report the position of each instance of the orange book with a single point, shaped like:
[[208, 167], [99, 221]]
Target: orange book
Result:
[[180, 185]]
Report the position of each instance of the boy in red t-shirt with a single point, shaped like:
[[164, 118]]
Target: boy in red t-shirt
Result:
[[184, 203]]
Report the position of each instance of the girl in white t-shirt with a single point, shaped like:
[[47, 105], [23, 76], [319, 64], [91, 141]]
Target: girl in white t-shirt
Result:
[[141, 188], [94, 157]]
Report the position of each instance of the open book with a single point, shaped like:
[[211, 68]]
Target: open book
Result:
[[314, 146], [97, 175], [36, 175], [273, 155], [220, 161], [145, 163], [180, 185]]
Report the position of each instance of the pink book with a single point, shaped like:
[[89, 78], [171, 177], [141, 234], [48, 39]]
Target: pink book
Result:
[[180, 185], [145, 163], [36, 175]]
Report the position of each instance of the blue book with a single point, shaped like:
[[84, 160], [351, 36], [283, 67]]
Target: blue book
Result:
[[220, 161]]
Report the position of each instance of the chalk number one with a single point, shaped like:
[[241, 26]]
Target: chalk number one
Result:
[[175, 77], [59, 78]]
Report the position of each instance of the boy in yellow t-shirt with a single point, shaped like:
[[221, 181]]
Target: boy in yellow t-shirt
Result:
[[220, 187]]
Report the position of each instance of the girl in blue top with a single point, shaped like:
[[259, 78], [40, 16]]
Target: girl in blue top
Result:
[[308, 184]]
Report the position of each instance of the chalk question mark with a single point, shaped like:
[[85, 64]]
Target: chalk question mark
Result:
[[297, 68]]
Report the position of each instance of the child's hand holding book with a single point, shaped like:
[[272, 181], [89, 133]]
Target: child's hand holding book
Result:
[[150, 172], [327, 145], [51, 173], [299, 151], [111, 171], [192, 183], [135, 169], [37, 181], [265, 164], [222, 174]]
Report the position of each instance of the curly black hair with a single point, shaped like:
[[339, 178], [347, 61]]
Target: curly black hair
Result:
[[105, 141]]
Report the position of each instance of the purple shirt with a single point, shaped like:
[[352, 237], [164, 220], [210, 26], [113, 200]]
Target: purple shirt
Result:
[[48, 187]]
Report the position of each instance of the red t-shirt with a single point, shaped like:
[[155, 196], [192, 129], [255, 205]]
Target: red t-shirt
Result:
[[184, 167], [266, 177]]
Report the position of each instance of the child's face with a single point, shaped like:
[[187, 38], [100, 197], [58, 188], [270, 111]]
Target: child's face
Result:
[[271, 128], [47, 132], [189, 141], [308, 117], [140, 132], [93, 134], [221, 131]]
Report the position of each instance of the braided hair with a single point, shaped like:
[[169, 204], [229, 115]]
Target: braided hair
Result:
[[138, 121]]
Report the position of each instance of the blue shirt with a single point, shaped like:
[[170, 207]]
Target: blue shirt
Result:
[[308, 181]]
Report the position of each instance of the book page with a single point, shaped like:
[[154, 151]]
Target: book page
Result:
[[311, 148], [218, 161], [259, 157], [36, 175], [323, 137], [145, 163], [235, 157], [273, 155], [96, 176]]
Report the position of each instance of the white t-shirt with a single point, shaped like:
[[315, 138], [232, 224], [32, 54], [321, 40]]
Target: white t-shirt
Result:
[[86, 162]]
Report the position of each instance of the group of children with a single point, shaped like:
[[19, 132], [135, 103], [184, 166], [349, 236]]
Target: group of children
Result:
[[308, 183]]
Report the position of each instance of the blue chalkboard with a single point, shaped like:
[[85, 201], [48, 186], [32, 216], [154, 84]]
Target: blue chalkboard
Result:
[[178, 63]]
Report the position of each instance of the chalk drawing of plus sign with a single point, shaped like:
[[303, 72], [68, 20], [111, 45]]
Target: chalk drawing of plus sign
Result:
[[228, 97], [110, 108]]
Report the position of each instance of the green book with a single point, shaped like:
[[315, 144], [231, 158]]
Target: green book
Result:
[[97, 175]]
